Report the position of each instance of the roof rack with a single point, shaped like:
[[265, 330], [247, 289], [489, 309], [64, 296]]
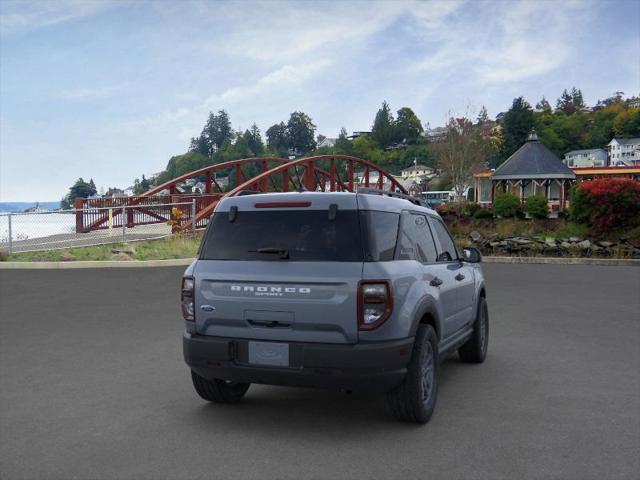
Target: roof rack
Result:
[[376, 191]]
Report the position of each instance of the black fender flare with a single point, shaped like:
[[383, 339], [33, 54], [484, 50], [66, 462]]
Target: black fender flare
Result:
[[427, 307]]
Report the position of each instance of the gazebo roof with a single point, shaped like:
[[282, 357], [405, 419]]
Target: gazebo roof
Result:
[[533, 160]]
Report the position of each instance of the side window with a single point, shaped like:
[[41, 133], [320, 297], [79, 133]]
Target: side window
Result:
[[447, 249], [416, 242]]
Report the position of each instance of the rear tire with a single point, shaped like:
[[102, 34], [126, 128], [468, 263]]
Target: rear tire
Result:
[[475, 349], [415, 399], [219, 391]]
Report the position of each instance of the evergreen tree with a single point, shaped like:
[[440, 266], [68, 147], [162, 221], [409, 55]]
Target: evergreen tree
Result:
[[565, 103], [253, 139], [216, 131], [483, 116], [576, 99], [517, 123], [382, 130], [543, 106], [343, 144]]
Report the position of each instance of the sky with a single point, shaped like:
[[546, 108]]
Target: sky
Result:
[[110, 90]]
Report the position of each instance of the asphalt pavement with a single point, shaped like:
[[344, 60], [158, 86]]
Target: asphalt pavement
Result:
[[93, 386]]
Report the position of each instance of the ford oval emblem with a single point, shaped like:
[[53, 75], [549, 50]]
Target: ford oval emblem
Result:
[[207, 308]]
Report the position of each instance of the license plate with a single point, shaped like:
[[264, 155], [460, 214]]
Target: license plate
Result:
[[269, 353]]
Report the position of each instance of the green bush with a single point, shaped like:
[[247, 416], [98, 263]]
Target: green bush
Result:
[[483, 213], [469, 209], [506, 205], [536, 206]]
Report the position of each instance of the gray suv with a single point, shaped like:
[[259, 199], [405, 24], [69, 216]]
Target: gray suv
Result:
[[358, 292]]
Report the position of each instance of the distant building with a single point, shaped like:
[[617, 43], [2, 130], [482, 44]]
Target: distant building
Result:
[[435, 135], [327, 142], [594, 157], [416, 171], [355, 135], [624, 152], [592, 173]]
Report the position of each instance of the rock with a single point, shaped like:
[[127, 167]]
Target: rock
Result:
[[550, 241], [494, 244], [566, 245], [475, 236], [67, 257], [522, 241], [575, 239], [584, 244], [605, 244], [121, 257]]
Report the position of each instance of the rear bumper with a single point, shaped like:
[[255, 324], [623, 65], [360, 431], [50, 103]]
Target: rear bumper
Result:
[[372, 367]]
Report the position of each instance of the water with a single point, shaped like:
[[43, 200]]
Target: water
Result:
[[29, 226]]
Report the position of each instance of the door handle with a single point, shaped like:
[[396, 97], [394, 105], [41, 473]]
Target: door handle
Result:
[[459, 277], [436, 282]]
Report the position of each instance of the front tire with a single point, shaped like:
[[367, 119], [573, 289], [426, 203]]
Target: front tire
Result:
[[415, 399], [219, 391], [474, 350]]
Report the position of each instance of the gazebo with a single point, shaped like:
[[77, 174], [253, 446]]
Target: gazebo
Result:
[[532, 170]]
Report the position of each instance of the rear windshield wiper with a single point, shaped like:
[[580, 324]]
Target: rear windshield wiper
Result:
[[283, 252]]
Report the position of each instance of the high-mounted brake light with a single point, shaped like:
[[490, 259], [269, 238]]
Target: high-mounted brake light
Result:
[[375, 303], [281, 204], [186, 299]]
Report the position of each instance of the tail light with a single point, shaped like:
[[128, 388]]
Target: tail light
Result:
[[375, 303], [186, 298]]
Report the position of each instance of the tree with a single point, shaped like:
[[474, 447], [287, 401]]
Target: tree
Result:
[[483, 116], [565, 103], [343, 144], [408, 126], [254, 140], [543, 106], [463, 151], [80, 189], [277, 140], [627, 124], [576, 99], [216, 131], [517, 123], [301, 133], [382, 130]]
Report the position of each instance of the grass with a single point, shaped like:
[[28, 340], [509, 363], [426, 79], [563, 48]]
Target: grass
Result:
[[162, 249]]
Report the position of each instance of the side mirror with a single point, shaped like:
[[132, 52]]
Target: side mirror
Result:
[[471, 255]]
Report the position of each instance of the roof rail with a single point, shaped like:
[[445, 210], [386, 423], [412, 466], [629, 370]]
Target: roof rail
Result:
[[376, 191]]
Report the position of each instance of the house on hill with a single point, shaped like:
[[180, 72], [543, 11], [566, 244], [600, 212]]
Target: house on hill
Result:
[[532, 170], [624, 152]]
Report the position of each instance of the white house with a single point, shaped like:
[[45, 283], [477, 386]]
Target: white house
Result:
[[417, 172], [624, 152], [327, 142], [594, 157]]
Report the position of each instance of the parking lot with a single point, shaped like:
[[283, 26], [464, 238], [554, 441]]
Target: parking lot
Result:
[[93, 385]]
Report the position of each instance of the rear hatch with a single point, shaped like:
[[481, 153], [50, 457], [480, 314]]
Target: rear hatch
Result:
[[281, 267]]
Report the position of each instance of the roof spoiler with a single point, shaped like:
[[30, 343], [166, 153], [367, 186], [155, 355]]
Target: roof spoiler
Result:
[[376, 191]]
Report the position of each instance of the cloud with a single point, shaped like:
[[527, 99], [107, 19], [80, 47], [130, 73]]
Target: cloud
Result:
[[285, 77], [21, 16]]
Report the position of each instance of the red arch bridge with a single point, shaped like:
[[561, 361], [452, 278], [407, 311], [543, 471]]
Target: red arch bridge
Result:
[[326, 173]]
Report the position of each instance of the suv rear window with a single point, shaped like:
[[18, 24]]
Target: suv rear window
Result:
[[292, 235]]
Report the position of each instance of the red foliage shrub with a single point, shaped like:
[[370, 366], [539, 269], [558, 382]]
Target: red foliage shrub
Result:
[[607, 204]]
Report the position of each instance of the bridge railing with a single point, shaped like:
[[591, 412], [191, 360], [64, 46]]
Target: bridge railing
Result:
[[103, 213]]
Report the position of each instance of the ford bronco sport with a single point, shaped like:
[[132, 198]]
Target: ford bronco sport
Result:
[[353, 291]]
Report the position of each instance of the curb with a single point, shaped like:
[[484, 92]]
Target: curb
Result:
[[176, 262], [614, 262], [183, 262]]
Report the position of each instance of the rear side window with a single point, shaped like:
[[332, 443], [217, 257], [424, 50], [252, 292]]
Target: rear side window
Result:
[[447, 249], [291, 235], [416, 242], [380, 231]]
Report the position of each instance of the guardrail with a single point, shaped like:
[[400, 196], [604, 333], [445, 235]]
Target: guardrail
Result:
[[57, 229]]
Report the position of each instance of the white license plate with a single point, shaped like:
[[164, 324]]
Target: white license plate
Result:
[[269, 353]]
